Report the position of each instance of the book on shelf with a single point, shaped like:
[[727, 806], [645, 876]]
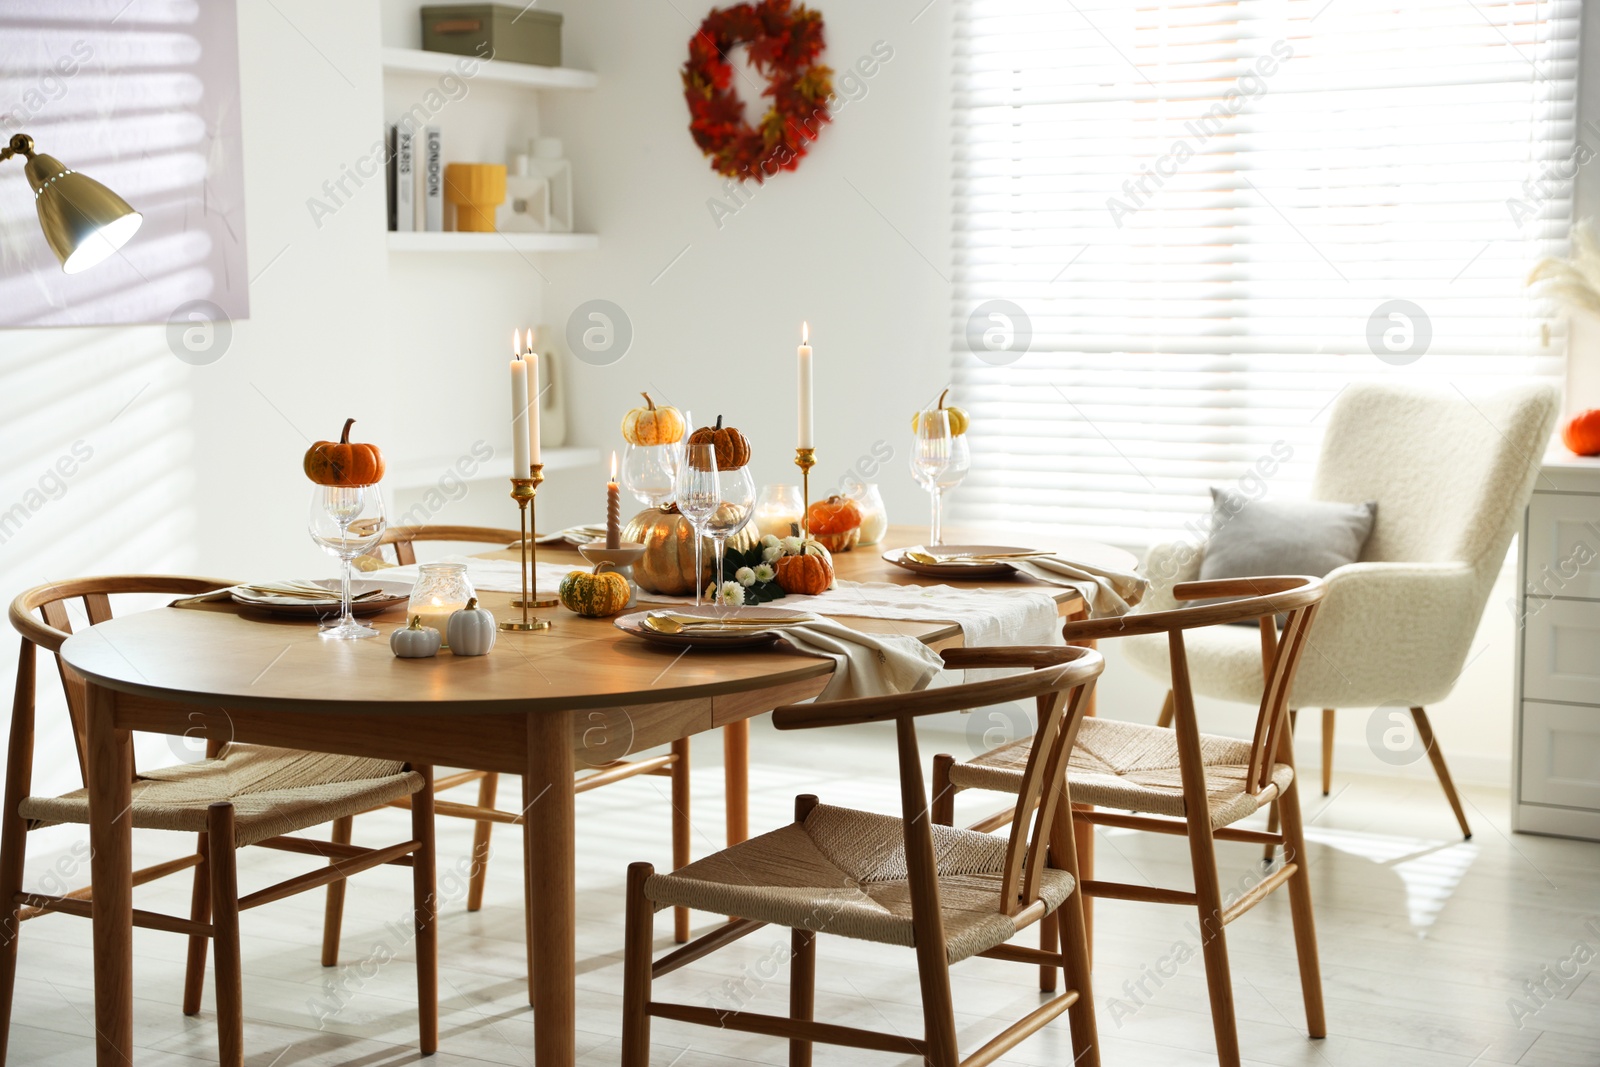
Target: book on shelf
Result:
[[389, 175], [405, 176], [433, 180]]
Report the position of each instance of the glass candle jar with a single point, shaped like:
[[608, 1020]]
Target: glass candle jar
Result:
[[442, 589], [778, 508], [874, 517]]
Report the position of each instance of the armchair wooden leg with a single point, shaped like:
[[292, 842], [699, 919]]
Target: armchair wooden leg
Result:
[[1425, 732], [1164, 720], [220, 857], [333, 911], [680, 829], [1213, 942], [802, 990], [943, 808], [1305, 932], [488, 786], [640, 924], [194, 974], [424, 903], [1327, 751], [1074, 931]]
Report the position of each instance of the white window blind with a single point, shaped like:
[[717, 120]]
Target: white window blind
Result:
[[1198, 207]]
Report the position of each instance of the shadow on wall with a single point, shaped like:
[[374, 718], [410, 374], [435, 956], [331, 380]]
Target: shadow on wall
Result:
[[146, 101]]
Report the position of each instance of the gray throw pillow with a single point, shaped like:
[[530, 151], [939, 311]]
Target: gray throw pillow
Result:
[[1253, 538]]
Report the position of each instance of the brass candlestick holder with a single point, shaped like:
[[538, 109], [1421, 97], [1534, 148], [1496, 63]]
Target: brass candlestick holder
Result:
[[525, 492], [805, 459]]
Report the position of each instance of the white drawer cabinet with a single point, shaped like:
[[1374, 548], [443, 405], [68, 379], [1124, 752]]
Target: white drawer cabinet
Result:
[[1557, 736]]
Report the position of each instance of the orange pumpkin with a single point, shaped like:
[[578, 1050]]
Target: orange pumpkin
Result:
[[806, 574], [344, 462], [651, 425], [1582, 433], [835, 523], [731, 446]]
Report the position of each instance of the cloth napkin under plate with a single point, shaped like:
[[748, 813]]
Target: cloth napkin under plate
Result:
[[865, 665], [1106, 591]]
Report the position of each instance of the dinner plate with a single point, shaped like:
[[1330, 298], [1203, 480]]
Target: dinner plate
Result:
[[393, 594], [955, 569], [634, 624]]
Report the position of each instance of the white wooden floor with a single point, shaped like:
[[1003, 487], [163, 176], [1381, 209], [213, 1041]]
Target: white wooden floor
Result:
[[1427, 943]]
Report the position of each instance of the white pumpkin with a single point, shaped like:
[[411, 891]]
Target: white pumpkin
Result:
[[471, 631], [415, 641]]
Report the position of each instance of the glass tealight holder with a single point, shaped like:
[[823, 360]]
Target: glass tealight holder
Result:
[[442, 589], [777, 509], [874, 516]]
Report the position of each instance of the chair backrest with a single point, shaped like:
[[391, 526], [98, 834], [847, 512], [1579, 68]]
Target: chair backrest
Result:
[[53, 626], [1263, 600], [1059, 685], [402, 537], [1451, 471]]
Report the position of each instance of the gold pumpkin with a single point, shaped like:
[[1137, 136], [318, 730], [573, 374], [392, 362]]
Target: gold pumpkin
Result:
[[667, 565], [651, 425]]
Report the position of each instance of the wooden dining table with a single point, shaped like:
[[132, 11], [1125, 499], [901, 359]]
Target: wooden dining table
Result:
[[536, 706]]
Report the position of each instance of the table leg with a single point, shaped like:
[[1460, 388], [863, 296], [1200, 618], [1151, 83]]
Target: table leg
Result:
[[110, 757], [736, 777], [547, 834]]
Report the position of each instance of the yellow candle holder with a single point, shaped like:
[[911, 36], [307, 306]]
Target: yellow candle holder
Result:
[[805, 459], [525, 492], [475, 189]]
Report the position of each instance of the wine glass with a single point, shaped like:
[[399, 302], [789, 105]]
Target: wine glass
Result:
[[736, 491], [650, 471], [347, 522], [930, 459], [698, 493], [960, 464]]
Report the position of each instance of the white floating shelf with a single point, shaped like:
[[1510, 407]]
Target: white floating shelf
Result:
[[416, 61], [492, 242], [423, 474]]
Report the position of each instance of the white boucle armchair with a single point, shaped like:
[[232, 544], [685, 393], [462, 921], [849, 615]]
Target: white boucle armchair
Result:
[[1452, 473]]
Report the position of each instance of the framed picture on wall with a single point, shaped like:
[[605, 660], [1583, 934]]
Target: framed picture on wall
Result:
[[143, 98]]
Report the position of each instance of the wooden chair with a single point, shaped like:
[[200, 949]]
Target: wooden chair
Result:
[[673, 764], [1188, 783], [948, 894], [239, 795]]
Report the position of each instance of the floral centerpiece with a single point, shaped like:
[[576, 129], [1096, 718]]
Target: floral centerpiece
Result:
[[755, 570]]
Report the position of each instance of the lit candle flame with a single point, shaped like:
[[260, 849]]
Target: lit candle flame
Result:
[[805, 333], [516, 345], [613, 466], [530, 338]]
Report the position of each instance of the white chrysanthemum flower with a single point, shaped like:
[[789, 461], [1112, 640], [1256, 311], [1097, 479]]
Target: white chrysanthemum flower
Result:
[[770, 541], [745, 576], [732, 594], [772, 551], [764, 572], [791, 546]]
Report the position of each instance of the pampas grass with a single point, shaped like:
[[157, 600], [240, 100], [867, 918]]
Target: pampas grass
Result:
[[1575, 281]]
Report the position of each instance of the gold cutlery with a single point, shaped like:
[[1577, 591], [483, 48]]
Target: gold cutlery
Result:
[[677, 624], [997, 557]]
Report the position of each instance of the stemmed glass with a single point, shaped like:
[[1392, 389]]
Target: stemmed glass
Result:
[[960, 464], [737, 496], [650, 471], [931, 454], [699, 494], [347, 522]]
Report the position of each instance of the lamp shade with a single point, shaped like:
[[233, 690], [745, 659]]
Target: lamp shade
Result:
[[83, 221]]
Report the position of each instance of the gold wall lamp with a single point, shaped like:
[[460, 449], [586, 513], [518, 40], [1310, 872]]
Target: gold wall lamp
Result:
[[83, 221]]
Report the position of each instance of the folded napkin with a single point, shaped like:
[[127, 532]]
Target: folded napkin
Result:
[[1106, 591], [865, 665], [572, 535]]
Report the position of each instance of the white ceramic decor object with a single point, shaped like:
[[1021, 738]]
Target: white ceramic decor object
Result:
[[527, 205], [547, 163]]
